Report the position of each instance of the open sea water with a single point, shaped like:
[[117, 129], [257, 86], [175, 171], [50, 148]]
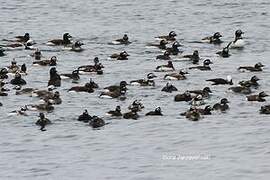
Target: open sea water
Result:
[[231, 145]]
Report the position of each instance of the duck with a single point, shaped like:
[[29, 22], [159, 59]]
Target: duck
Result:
[[169, 88], [131, 115], [238, 42], [156, 112], [55, 78], [124, 40], [55, 99], [193, 57], [49, 62], [119, 93], [193, 115], [18, 80], [47, 106], [136, 105], [116, 112], [43, 121], [256, 68], [205, 92], [162, 44], [76, 47], [205, 66], [186, 96], [265, 109], [221, 81], [197, 100], [215, 39], [86, 88], [222, 106], [112, 88], [2, 52], [176, 76], [174, 49], [23, 38], [22, 111], [85, 117], [144, 82], [96, 122], [165, 56], [165, 68], [241, 89], [74, 75], [37, 54], [59, 42], [253, 82], [96, 68], [3, 73], [259, 97], [170, 37], [225, 51], [121, 56]]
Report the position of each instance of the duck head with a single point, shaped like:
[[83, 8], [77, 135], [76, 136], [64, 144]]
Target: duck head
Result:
[[217, 35], [172, 34], [207, 90], [263, 94], [258, 65], [125, 37], [207, 62], [151, 76], [238, 34], [254, 79], [224, 101]]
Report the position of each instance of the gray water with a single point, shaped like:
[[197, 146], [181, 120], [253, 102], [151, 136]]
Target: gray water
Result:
[[231, 145]]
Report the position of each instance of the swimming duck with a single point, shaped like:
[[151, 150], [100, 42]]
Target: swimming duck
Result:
[[205, 66], [193, 115], [116, 112], [253, 82], [96, 68], [124, 40], [136, 105], [170, 37], [131, 114], [55, 78], [112, 88], [18, 80], [193, 57], [215, 39], [58, 42], [85, 117], [118, 93], [122, 56], [76, 47], [265, 109], [4, 73], [22, 111], [241, 89], [225, 51], [145, 82], [49, 62], [259, 97], [174, 49], [222, 106], [165, 56], [165, 68], [2, 52], [169, 88], [186, 96], [55, 99], [257, 67], [96, 122], [220, 81], [23, 38], [74, 75], [205, 92], [161, 45], [42, 122], [86, 88], [238, 42], [47, 106], [176, 76], [156, 112], [37, 54]]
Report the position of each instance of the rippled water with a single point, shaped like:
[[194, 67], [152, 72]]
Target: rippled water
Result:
[[236, 143]]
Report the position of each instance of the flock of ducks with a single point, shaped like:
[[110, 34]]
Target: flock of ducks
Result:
[[50, 97]]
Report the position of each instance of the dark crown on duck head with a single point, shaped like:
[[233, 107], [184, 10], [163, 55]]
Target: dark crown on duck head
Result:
[[53, 70], [163, 42], [208, 108], [124, 53], [176, 44], [118, 108], [125, 37], [196, 53], [224, 101], [41, 115], [123, 84], [158, 109], [151, 76], [217, 35], [238, 33], [254, 78], [259, 65], [207, 89], [172, 34], [207, 62], [27, 36], [66, 36]]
